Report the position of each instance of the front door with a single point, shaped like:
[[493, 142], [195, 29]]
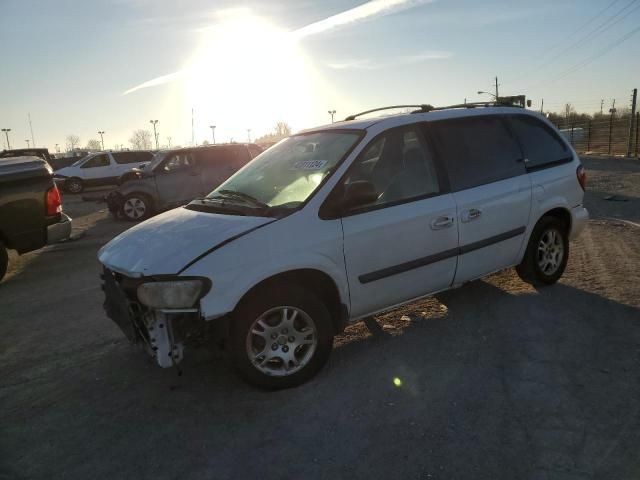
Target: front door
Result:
[[99, 170], [491, 189], [404, 244], [178, 180]]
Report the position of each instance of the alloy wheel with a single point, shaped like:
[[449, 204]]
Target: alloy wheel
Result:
[[134, 208], [281, 341], [550, 251]]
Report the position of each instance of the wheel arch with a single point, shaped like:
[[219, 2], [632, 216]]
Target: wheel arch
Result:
[[314, 280], [562, 214]]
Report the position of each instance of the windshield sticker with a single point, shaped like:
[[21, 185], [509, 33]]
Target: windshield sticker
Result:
[[309, 165]]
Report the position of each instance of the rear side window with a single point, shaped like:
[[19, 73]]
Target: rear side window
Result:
[[476, 150], [542, 146], [217, 157], [132, 157]]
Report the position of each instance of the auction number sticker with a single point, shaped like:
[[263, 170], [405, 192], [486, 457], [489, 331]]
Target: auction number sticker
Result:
[[309, 164]]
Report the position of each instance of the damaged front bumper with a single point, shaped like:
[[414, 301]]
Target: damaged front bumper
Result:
[[114, 200], [163, 333]]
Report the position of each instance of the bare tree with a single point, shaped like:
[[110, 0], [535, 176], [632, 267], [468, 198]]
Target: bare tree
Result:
[[141, 139], [94, 144], [283, 129], [73, 141]]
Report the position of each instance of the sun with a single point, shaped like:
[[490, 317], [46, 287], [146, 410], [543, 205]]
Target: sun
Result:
[[248, 74]]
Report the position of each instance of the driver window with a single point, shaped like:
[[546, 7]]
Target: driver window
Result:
[[399, 166], [178, 161]]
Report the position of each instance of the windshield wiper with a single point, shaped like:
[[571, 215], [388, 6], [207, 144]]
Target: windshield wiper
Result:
[[241, 196]]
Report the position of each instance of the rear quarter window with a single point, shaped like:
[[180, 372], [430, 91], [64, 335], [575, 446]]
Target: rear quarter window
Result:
[[476, 150], [542, 146]]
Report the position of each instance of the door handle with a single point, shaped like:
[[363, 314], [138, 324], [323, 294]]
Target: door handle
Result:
[[471, 214], [441, 222]]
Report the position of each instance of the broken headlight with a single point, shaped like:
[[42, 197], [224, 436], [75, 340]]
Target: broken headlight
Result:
[[170, 294]]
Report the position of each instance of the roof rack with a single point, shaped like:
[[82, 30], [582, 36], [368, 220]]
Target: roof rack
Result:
[[424, 108]]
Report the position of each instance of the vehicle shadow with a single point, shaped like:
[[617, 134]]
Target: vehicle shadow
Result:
[[486, 383]]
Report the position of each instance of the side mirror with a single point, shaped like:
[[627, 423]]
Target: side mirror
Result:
[[359, 193]]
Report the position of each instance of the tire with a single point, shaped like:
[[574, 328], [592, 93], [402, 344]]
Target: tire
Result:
[[74, 185], [136, 207], [4, 261], [547, 253], [278, 323]]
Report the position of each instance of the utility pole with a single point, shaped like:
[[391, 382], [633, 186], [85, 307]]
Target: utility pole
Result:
[[496, 89], [611, 111], [6, 132], [33, 140], [169, 140], [542, 106], [601, 105], [27, 140], [213, 133], [155, 134], [57, 148], [633, 116], [332, 113], [101, 133]]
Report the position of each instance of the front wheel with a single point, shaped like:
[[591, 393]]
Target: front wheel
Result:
[[547, 253], [136, 207], [281, 337], [74, 185]]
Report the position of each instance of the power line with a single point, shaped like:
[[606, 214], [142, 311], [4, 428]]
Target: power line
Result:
[[590, 59], [599, 29]]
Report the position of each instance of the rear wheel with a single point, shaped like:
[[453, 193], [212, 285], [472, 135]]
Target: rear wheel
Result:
[[74, 185], [4, 260], [281, 337], [136, 207], [547, 253]]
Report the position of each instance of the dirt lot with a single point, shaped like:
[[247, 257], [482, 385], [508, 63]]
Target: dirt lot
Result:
[[498, 380]]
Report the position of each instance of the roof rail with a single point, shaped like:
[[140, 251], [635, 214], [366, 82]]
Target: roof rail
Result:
[[422, 107]]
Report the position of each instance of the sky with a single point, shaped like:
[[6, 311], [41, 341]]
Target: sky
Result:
[[83, 66]]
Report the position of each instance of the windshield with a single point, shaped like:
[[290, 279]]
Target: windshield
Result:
[[288, 173], [78, 162]]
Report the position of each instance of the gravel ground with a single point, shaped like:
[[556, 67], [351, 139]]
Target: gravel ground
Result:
[[492, 380]]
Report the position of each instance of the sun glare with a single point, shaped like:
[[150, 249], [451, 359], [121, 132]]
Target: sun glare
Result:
[[250, 74]]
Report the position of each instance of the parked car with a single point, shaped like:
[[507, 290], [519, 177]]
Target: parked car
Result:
[[342, 222], [175, 177], [42, 153], [103, 168], [30, 208]]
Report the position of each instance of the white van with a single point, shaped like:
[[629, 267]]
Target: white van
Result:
[[102, 168], [338, 223]]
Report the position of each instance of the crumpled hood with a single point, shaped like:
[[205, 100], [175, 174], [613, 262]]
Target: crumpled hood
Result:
[[166, 243]]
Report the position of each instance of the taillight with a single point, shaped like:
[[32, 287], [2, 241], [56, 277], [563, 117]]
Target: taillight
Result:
[[54, 202], [582, 177]]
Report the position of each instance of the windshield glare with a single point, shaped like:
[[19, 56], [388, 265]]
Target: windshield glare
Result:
[[288, 173]]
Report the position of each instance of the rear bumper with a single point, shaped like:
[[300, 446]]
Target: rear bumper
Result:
[[59, 231], [579, 219]]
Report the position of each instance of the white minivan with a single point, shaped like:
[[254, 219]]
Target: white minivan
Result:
[[102, 168], [340, 222]]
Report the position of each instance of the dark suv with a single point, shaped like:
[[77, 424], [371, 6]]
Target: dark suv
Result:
[[175, 177]]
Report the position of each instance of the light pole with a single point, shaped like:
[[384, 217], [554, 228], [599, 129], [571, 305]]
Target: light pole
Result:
[[213, 133], [249, 135], [57, 148], [332, 113], [27, 140], [101, 133], [6, 132], [169, 140], [480, 92], [155, 135]]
